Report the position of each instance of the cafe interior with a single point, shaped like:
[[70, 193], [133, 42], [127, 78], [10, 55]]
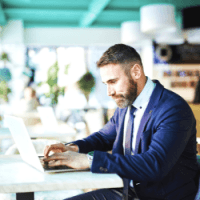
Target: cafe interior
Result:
[[48, 73]]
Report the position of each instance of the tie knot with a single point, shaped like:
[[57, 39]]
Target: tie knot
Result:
[[132, 110]]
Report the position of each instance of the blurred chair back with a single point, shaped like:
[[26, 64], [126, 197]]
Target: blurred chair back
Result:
[[30, 119], [94, 120], [48, 118], [196, 110]]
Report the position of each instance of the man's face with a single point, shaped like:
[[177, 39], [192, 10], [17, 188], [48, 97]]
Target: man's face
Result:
[[120, 87]]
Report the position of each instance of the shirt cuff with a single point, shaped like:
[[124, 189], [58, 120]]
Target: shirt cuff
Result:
[[90, 158]]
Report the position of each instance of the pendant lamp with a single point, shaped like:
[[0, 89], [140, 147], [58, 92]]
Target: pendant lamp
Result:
[[131, 34], [193, 36], [157, 18], [170, 38]]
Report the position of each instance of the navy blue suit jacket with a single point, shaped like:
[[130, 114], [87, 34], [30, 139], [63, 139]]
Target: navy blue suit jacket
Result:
[[164, 165]]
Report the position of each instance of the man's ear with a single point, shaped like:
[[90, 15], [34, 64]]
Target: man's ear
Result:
[[136, 71]]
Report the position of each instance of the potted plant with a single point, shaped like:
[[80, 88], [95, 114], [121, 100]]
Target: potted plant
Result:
[[86, 84], [52, 79], [4, 57], [4, 91], [5, 77]]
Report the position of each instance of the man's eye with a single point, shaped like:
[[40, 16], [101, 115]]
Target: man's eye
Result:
[[113, 81]]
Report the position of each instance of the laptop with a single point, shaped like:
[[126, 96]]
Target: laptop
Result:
[[26, 149]]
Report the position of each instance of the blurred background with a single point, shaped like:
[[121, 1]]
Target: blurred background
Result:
[[49, 50]]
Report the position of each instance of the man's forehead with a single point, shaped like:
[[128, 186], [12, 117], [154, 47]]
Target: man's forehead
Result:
[[110, 68], [109, 72]]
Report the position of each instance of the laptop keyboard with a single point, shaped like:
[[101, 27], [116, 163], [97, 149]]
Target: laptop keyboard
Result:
[[56, 167]]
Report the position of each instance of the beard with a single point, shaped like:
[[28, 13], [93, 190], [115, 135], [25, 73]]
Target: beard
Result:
[[128, 97]]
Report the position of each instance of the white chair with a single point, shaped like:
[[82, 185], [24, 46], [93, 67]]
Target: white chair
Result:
[[30, 118], [48, 118], [94, 120], [39, 145]]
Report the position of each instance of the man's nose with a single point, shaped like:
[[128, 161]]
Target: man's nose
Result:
[[110, 91]]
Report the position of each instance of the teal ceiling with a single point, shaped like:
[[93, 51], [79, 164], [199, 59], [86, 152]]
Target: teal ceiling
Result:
[[80, 13]]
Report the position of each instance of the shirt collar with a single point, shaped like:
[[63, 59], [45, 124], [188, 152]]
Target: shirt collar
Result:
[[145, 95]]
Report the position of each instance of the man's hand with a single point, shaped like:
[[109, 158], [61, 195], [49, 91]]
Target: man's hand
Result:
[[69, 158], [59, 148]]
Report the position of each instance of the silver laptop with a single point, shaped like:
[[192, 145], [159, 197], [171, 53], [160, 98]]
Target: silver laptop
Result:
[[26, 148]]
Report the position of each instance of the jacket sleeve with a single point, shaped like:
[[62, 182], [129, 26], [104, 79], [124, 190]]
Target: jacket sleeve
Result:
[[173, 128], [102, 140]]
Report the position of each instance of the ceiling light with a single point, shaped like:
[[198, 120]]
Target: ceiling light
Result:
[[193, 36], [131, 34], [170, 38], [157, 18]]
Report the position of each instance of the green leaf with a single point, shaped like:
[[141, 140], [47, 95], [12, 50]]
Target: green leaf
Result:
[[67, 69], [41, 83], [52, 79], [4, 90], [62, 91]]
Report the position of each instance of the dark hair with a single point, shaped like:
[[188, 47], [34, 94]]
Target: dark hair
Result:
[[120, 54]]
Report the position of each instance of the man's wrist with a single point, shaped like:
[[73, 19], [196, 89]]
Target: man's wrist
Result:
[[74, 146]]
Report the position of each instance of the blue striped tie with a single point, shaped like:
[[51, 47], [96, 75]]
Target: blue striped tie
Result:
[[128, 148]]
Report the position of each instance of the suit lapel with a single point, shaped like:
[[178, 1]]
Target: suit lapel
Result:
[[118, 145], [148, 112]]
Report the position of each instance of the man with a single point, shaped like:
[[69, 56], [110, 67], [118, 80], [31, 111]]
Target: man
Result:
[[160, 161]]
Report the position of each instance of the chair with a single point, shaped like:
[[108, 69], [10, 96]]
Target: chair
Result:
[[196, 110], [94, 120], [48, 117], [39, 145], [30, 118]]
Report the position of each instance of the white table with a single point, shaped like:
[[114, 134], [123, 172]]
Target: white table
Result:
[[18, 177]]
